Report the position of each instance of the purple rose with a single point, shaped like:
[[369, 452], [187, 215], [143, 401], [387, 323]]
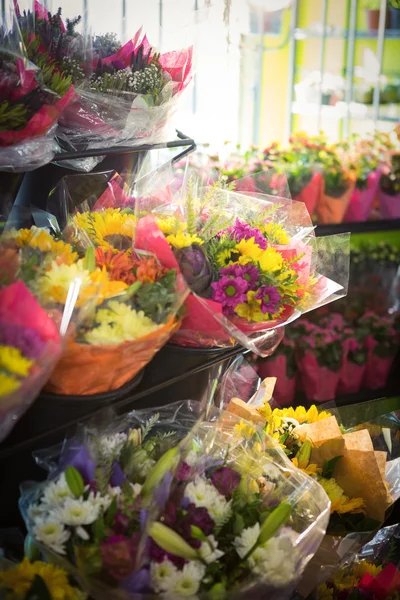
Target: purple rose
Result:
[[195, 268], [226, 480]]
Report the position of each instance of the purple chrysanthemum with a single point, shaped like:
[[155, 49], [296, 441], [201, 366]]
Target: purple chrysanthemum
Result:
[[229, 291], [270, 298], [247, 272], [26, 339], [243, 231]]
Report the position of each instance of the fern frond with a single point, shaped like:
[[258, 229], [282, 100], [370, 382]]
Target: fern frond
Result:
[[148, 426]]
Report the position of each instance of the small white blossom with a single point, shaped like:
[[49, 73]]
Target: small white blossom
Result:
[[188, 580], [203, 494], [192, 458], [209, 550], [56, 492], [82, 533], [163, 575], [247, 540], [220, 510], [276, 561], [111, 445], [51, 533], [77, 511]]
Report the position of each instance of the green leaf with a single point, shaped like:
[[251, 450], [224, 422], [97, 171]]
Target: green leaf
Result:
[[74, 481], [329, 467], [89, 262], [238, 524], [132, 289], [111, 512], [98, 529], [197, 533], [38, 590]]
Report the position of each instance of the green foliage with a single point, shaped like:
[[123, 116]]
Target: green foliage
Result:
[[157, 300], [149, 424], [12, 116], [329, 467], [74, 481], [38, 590]]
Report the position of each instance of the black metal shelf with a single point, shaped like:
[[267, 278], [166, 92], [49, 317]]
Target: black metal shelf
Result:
[[358, 227]]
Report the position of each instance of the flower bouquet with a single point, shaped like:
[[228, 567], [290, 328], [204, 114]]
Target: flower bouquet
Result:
[[140, 298], [248, 260], [389, 192], [36, 580], [31, 101], [134, 510], [281, 365], [382, 345], [43, 297]]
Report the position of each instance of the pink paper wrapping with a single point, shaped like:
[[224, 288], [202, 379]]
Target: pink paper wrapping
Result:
[[362, 201], [319, 383], [389, 205], [351, 376], [377, 371], [311, 194], [285, 388], [114, 196]]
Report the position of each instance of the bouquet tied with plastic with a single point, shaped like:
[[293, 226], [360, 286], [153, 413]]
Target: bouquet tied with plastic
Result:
[[129, 98], [32, 98], [159, 504], [141, 297], [252, 262], [44, 296]]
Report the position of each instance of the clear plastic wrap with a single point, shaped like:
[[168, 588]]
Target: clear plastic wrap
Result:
[[44, 295], [252, 262], [32, 97], [146, 517], [141, 309]]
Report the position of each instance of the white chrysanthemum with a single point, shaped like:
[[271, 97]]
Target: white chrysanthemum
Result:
[[51, 533], [111, 445], [97, 499], [188, 580], [204, 495], [192, 458], [209, 550], [247, 540], [276, 561], [77, 511], [163, 575], [56, 492], [271, 472]]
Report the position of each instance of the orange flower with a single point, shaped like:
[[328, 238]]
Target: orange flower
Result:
[[147, 270], [119, 266]]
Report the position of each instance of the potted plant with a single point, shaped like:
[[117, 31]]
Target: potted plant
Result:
[[389, 193], [372, 9], [382, 346], [355, 363], [282, 365]]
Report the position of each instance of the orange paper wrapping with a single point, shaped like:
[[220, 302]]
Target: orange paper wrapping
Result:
[[331, 209], [90, 369]]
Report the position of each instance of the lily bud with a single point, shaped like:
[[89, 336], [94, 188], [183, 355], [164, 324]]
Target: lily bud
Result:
[[166, 463], [172, 542], [135, 437], [274, 522], [89, 260], [304, 454]]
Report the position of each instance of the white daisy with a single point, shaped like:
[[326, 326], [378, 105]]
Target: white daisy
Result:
[[247, 540], [51, 533], [209, 550], [77, 511], [203, 494], [163, 575], [188, 580], [56, 492], [111, 445], [220, 510]]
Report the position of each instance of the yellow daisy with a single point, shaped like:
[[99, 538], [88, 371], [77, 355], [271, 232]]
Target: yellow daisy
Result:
[[310, 469], [13, 361], [108, 228], [364, 567], [183, 240], [340, 503], [39, 239], [276, 234], [171, 225], [248, 251], [19, 580], [270, 260], [244, 430], [8, 384], [250, 310]]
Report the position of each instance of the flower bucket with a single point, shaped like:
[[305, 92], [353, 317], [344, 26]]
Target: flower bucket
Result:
[[311, 194], [361, 201], [285, 388], [332, 209], [351, 376], [319, 383], [389, 205], [377, 371]]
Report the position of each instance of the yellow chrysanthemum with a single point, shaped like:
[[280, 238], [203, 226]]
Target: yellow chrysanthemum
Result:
[[310, 469], [244, 430], [340, 503], [251, 310], [119, 323], [8, 384], [248, 251], [276, 234], [325, 593], [43, 241], [183, 240], [13, 361], [364, 567], [171, 225], [19, 580], [56, 282], [108, 228], [270, 260], [102, 286]]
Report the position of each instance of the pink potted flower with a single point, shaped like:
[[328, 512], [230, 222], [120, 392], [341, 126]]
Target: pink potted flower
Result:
[[382, 345], [355, 362], [282, 365], [389, 193]]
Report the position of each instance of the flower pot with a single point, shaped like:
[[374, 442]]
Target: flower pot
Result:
[[373, 19], [361, 201], [319, 383], [311, 193], [389, 205], [351, 376], [377, 371], [285, 388], [395, 18], [331, 208]]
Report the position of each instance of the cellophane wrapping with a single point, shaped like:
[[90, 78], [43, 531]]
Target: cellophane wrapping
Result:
[[45, 292], [153, 531], [209, 232], [31, 103], [140, 311]]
